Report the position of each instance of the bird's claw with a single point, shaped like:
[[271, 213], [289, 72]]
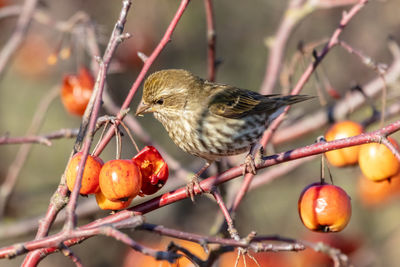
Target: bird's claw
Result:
[[250, 165], [194, 181], [250, 162]]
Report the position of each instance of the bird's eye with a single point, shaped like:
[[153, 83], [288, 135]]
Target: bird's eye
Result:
[[160, 101]]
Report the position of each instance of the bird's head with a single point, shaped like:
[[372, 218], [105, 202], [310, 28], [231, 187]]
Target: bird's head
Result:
[[167, 91]]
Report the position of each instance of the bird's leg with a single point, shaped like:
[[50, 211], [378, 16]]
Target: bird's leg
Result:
[[250, 164], [194, 181]]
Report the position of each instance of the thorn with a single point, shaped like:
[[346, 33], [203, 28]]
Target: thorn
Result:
[[142, 56], [124, 36], [98, 59]]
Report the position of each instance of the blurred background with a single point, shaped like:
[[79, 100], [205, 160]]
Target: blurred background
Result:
[[373, 234]]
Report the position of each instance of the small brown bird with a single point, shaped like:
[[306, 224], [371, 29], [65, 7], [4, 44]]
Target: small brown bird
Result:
[[206, 119]]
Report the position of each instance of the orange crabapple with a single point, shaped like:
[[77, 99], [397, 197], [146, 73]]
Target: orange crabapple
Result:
[[344, 156], [120, 179], [90, 178], [324, 207]]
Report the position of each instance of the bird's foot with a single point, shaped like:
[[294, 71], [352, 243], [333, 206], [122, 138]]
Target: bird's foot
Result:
[[250, 165], [194, 182], [250, 161]]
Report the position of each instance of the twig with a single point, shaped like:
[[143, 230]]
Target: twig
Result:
[[333, 41], [143, 136], [234, 172], [297, 10], [231, 228], [391, 147], [278, 171], [68, 253], [12, 175], [277, 44], [18, 35], [391, 111], [339, 259], [56, 240], [204, 240], [88, 207], [8, 11], [39, 139], [300, 84], [164, 41], [380, 69], [211, 40], [9, 230], [209, 183], [341, 108], [116, 38], [87, 129]]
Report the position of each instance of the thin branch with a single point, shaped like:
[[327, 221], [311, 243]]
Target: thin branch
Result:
[[273, 173], [256, 243], [88, 207], [209, 183], [143, 136], [87, 129], [231, 228], [277, 44], [310, 150], [56, 240], [339, 258], [18, 35], [300, 84], [211, 40], [68, 253], [391, 147], [333, 41], [12, 175], [164, 41], [8, 11], [115, 39], [39, 139], [297, 10], [341, 108]]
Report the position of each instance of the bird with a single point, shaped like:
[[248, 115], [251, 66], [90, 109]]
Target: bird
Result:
[[207, 119]]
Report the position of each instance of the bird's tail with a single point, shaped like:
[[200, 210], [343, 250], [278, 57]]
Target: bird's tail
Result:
[[292, 99], [280, 102]]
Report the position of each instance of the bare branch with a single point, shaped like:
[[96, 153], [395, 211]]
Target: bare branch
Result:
[[19, 34]]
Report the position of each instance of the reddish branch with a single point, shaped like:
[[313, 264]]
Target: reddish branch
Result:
[[164, 41], [143, 136], [88, 126], [232, 173], [116, 38], [39, 139], [297, 10], [278, 45], [296, 90], [211, 40], [87, 130], [343, 107], [72, 235], [112, 229], [231, 229], [209, 183], [333, 41]]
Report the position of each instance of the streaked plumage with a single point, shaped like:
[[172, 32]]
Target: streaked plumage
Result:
[[207, 119]]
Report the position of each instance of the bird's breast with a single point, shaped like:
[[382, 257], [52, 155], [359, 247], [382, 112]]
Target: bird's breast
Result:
[[210, 136]]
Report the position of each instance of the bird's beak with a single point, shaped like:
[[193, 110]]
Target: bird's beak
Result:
[[143, 108]]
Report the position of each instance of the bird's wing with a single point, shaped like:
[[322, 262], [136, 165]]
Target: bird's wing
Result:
[[235, 103]]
